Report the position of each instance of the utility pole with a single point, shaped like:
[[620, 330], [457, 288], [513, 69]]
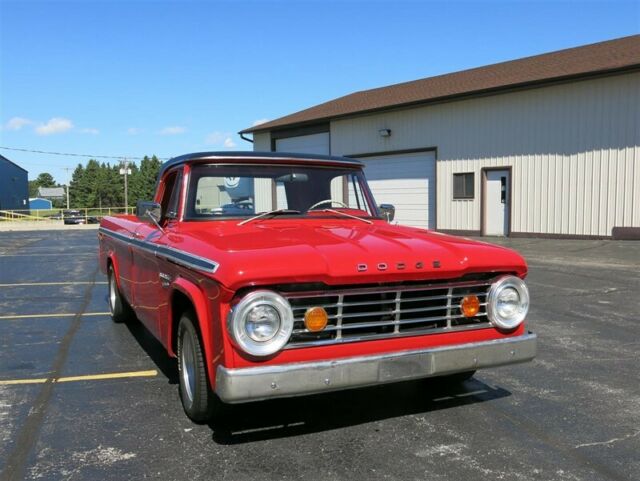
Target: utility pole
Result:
[[126, 171], [67, 169]]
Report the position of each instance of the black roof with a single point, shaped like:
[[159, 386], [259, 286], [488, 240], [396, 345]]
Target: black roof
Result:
[[347, 162]]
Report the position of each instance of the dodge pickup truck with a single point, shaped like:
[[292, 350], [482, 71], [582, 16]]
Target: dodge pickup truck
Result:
[[274, 275]]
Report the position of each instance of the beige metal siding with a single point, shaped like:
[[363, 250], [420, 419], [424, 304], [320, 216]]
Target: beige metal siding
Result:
[[263, 200], [574, 149], [262, 142]]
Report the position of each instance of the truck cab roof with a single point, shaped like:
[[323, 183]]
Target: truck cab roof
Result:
[[266, 157]]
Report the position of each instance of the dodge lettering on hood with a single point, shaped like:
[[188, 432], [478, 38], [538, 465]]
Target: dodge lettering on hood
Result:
[[274, 275]]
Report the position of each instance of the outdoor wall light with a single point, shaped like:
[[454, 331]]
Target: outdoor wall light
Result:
[[384, 132]]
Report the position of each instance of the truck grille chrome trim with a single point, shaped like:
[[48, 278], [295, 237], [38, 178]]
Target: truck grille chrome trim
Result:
[[386, 312]]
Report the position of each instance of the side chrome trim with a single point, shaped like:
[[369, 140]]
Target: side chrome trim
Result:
[[286, 380], [171, 254]]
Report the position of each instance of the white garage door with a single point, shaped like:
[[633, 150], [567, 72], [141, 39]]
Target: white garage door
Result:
[[408, 182], [305, 144]]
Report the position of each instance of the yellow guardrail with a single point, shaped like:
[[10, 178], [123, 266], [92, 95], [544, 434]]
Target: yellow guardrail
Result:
[[51, 215]]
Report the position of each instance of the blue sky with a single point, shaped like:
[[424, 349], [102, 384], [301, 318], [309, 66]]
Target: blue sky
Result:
[[141, 77]]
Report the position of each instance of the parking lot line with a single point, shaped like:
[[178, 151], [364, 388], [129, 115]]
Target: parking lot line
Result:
[[36, 284], [9, 382], [66, 314], [86, 377]]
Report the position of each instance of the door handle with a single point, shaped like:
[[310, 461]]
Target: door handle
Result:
[[137, 235]]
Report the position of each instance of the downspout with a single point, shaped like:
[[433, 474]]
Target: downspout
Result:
[[245, 138]]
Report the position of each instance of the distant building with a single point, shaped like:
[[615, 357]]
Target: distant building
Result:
[[51, 192], [544, 146], [39, 204], [14, 186]]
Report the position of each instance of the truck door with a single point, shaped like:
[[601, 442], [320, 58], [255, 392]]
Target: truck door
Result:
[[151, 298]]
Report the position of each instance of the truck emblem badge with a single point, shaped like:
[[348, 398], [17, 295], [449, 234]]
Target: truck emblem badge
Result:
[[382, 266], [436, 264], [362, 267], [165, 279], [419, 265]]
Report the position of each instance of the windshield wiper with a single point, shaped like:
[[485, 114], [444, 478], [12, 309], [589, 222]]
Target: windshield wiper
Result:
[[346, 215], [271, 212]]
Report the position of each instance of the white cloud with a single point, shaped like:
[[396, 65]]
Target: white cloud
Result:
[[90, 131], [259, 121], [133, 131], [16, 123], [216, 137], [173, 130], [55, 125], [223, 139]]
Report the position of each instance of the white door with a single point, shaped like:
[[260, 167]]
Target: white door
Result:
[[408, 182], [305, 144], [497, 199]]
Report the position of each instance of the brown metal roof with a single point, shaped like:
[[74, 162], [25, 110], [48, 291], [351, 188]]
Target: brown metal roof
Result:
[[598, 58]]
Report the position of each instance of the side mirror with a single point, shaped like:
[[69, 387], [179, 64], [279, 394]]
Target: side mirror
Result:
[[388, 211], [148, 211]]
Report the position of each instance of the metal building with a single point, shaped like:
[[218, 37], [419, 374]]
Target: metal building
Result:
[[543, 146], [38, 203], [14, 186]]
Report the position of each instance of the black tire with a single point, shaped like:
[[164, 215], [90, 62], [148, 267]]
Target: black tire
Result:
[[118, 306], [198, 401]]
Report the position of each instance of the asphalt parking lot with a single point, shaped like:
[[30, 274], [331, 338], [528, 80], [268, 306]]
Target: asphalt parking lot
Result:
[[113, 411]]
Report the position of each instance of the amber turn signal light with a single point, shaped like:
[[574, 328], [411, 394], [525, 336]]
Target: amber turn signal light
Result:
[[315, 319], [470, 306]]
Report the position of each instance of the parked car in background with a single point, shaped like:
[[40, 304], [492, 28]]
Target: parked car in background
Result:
[[81, 220], [315, 292], [74, 217]]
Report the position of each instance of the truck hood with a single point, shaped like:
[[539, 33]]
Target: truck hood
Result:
[[337, 252]]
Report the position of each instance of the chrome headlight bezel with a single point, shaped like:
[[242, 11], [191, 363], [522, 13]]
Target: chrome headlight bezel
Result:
[[236, 322], [502, 322]]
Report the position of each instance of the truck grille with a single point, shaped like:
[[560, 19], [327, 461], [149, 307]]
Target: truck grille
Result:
[[379, 312]]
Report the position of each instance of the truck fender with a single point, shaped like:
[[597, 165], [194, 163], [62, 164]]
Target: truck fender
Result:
[[201, 306]]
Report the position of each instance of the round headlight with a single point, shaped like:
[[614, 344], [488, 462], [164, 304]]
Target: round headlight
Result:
[[508, 302], [261, 323]]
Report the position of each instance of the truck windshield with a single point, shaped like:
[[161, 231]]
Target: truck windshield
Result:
[[236, 190]]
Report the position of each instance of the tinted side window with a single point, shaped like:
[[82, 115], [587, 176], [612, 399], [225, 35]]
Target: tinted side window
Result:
[[171, 198]]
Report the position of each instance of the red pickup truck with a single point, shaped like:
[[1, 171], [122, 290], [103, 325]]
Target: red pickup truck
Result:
[[274, 275]]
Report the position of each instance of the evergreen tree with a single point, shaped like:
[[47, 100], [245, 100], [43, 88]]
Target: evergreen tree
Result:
[[44, 179], [102, 185]]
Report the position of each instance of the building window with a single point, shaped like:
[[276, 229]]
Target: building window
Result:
[[463, 185]]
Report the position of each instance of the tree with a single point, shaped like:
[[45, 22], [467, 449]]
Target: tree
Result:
[[143, 181], [101, 185], [44, 179]]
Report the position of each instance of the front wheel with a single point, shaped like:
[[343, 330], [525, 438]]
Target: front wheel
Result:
[[197, 399]]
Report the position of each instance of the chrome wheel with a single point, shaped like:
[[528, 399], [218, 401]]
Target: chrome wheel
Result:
[[112, 292], [118, 308], [196, 396], [187, 365]]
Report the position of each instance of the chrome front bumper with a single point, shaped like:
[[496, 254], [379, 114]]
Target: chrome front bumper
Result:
[[256, 383]]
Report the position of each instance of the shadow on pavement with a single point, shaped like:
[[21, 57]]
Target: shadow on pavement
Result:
[[258, 421], [155, 350]]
